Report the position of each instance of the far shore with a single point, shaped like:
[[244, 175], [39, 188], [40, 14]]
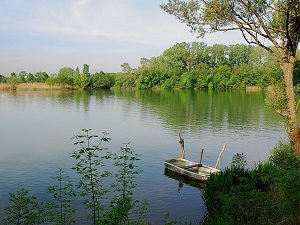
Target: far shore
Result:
[[44, 87]]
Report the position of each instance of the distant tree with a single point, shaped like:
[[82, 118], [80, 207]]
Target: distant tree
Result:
[[218, 55], [239, 54], [66, 76], [77, 71], [203, 75], [102, 81], [187, 80], [81, 80], [30, 78], [22, 76], [13, 81], [221, 78], [3, 79], [86, 69], [41, 77], [145, 62], [278, 22]]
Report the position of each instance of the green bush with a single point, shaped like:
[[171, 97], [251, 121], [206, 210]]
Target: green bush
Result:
[[267, 194]]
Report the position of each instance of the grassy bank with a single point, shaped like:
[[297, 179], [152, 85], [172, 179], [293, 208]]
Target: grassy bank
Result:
[[267, 194]]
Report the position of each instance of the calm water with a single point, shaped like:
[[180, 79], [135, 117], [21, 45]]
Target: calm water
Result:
[[36, 129]]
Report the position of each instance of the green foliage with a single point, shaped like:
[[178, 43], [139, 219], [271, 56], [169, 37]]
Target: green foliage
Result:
[[284, 157], [123, 186], [221, 78], [81, 80], [187, 80], [13, 81], [124, 81], [88, 162], [66, 76], [86, 70], [102, 81], [60, 210], [3, 79], [24, 209], [276, 99], [267, 194]]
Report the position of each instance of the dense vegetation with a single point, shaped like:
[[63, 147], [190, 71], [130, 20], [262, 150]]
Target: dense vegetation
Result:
[[185, 65], [267, 194]]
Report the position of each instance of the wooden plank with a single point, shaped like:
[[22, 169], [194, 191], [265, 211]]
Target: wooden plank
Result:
[[191, 166]]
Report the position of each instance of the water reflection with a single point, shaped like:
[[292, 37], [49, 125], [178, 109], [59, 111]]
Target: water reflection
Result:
[[183, 180], [36, 127]]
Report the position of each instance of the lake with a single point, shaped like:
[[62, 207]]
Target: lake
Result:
[[36, 128]]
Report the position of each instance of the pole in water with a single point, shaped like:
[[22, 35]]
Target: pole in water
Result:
[[181, 142]]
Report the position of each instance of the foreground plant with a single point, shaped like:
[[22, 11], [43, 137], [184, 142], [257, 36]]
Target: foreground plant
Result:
[[88, 162], [124, 202], [60, 207], [24, 209]]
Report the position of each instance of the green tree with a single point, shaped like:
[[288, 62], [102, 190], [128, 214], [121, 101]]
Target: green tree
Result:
[[126, 68], [203, 75], [278, 22], [86, 70], [13, 80], [102, 81], [81, 80], [30, 78], [22, 76], [187, 80], [221, 78], [66, 76], [239, 54], [41, 77], [3, 79]]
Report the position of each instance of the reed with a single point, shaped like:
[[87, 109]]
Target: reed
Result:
[[34, 86]]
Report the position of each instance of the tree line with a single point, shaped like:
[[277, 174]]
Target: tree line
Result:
[[184, 65]]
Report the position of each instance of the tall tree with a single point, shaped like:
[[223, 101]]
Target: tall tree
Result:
[[86, 69], [265, 23]]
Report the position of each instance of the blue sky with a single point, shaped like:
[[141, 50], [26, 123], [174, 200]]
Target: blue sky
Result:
[[46, 35]]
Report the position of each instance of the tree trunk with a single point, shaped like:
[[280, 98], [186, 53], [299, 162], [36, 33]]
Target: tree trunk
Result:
[[292, 126]]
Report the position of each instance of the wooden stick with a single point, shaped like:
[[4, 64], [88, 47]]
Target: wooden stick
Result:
[[201, 156], [219, 158], [181, 141]]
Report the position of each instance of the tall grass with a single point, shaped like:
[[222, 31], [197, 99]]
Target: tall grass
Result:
[[33, 86], [267, 194]]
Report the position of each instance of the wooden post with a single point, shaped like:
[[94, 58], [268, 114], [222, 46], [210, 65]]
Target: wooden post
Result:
[[200, 162], [181, 141], [219, 158]]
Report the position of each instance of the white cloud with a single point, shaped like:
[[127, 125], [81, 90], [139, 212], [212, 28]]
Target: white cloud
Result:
[[124, 30]]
